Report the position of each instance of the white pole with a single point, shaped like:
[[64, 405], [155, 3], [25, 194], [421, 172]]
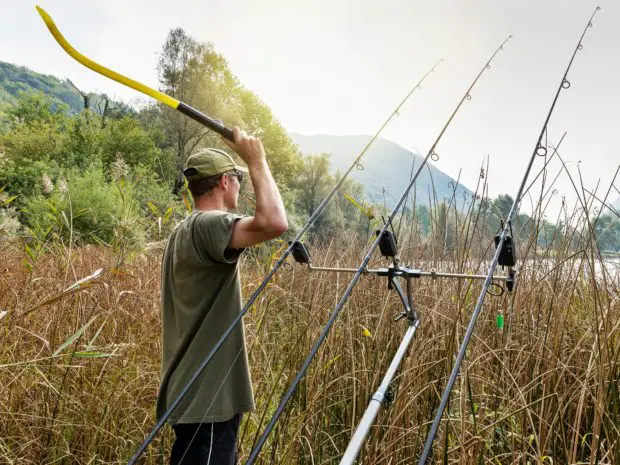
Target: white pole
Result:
[[377, 399]]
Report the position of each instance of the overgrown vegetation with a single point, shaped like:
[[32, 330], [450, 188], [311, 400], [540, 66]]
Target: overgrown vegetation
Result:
[[15, 80], [80, 363]]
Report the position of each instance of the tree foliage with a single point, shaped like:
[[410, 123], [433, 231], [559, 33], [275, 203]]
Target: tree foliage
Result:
[[313, 184]]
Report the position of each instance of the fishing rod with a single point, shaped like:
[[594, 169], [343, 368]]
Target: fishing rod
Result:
[[504, 242], [381, 237], [227, 133], [157, 95]]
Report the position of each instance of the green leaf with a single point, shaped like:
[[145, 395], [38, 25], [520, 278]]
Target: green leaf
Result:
[[30, 253], [92, 354], [7, 201], [65, 220], [186, 202], [52, 208], [27, 265], [92, 341], [153, 208], [167, 215], [327, 365], [82, 281], [74, 337], [366, 210]]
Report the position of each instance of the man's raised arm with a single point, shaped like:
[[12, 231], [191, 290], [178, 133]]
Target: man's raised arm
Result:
[[269, 220]]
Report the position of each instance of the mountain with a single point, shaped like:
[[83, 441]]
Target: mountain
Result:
[[17, 79], [387, 168]]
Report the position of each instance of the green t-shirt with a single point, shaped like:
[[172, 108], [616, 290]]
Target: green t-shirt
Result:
[[200, 297]]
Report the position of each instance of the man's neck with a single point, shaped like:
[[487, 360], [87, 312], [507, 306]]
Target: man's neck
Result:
[[210, 202]]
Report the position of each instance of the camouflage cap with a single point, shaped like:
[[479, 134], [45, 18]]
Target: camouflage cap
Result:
[[209, 162]]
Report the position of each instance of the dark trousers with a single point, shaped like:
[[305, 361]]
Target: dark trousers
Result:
[[206, 443]]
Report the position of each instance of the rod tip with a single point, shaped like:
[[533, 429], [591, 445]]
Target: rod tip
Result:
[[46, 17]]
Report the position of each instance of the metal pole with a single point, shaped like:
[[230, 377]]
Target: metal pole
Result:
[[377, 400], [417, 273], [434, 274]]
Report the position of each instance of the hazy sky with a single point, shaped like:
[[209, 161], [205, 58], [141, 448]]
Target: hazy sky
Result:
[[340, 67]]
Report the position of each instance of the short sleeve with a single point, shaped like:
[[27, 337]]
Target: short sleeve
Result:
[[212, 232]]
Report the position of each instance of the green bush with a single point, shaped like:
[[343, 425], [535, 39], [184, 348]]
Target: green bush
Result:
[[159, 207], [38, 140], [24, 180], [9, 224], [127, 137], [88, 208]]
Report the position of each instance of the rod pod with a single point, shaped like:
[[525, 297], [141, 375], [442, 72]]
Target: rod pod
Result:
[[382, 396]]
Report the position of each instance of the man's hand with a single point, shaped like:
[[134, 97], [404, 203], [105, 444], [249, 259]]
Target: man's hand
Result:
[[249, 148]]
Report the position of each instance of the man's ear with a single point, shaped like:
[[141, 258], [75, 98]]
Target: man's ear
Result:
[[223, 182]]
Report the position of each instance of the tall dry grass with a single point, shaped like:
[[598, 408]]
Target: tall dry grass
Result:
[[79, 374]]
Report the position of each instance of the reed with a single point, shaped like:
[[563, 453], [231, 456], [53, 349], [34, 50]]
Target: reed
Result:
[[79, 374]]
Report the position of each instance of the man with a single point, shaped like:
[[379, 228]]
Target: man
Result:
[[201, 296]]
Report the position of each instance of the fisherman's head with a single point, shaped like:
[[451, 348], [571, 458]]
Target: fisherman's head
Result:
[[212, 172]]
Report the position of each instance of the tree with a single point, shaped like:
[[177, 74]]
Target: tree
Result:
[[313, 185], [444, 230], [607, 230], [423, 219], [257, 118], [500, 208], [193, 73], [129, 138]]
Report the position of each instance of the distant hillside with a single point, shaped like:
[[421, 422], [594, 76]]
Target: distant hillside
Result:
[[387, 168], [17, 79]]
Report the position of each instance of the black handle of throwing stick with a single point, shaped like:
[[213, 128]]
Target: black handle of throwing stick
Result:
[[206, 121]]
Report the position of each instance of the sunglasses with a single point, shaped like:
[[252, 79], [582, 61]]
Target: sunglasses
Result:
[[239, 176]]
